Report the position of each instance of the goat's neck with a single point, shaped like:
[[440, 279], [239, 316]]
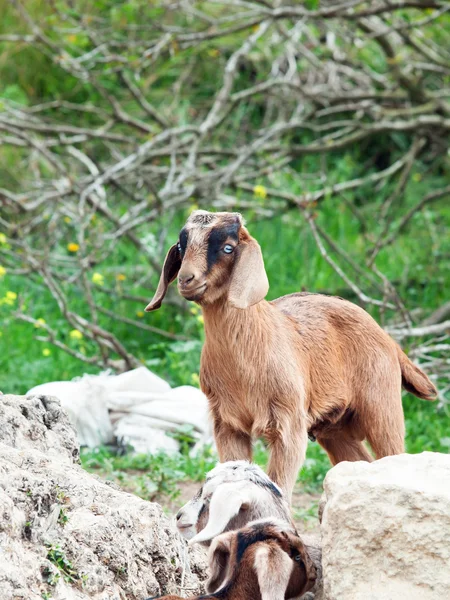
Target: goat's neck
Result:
[[223, 322]]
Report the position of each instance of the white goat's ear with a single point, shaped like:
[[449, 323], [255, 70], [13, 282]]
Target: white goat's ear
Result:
[[172, 265], [219, 562], [249, 283], [226, 502]]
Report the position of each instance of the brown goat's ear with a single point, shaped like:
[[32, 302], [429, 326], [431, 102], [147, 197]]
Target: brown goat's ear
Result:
[[249, 283], [169, 272], [270, 558], [219, 562]]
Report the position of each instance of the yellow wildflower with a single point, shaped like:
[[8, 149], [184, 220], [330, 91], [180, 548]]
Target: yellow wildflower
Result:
[[98, 279], [39, 323], [417, 177], [193, 207], [46, 352], [200, 319], [194, 310], [260, 192], [67, 220], [2, 238], [213, 52], [120, 277], [195, 379], [140, 314], [72, 247], [9, 299], [75, 334], [2, 271]]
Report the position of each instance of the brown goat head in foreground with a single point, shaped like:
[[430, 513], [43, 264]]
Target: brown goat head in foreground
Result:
[[263, 561], [301, 363]]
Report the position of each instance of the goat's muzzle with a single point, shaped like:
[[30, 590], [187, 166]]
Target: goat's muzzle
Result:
[[191, 285]]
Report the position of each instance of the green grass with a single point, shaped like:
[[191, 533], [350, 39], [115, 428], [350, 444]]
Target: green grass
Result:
[[150, 476]]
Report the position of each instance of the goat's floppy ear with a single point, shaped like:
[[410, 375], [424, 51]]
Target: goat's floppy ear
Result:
[[169, 272], [272, 559], [249, 283], [219, 562], [226, 502]]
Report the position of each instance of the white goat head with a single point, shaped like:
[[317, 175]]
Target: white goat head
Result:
[[234, 493]]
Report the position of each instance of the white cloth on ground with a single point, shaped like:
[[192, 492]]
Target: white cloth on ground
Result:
[[136, 408]]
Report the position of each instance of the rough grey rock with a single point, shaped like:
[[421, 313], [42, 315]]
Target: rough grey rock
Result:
[[386, 529], [66, 535], [38, 423]]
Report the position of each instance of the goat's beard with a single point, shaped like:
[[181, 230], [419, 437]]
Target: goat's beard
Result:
[[196, 297]]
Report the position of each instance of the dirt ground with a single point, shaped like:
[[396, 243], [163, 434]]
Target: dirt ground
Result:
[[304, 505]]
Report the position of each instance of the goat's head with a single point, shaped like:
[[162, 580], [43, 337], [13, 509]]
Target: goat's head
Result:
[[266, 546], [215, 258], [234, 493]]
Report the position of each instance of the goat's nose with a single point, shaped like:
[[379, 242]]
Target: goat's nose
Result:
[[179, 515], [185, 279]]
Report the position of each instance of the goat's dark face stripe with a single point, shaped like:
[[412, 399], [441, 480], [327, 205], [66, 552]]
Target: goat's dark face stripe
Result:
[[216, 240], [201, 511], [183, 240]]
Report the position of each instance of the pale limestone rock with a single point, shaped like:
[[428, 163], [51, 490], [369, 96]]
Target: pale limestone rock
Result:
[[386, 529], [112, 545]]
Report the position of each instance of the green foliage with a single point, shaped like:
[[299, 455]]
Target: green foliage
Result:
[[307, 515], [57, 556]]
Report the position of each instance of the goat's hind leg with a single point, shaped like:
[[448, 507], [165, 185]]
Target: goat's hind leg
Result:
[[343, 446], [383, 423]]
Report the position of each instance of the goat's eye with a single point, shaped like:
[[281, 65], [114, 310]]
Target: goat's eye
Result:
[[298, 558], [228, 248], [179, 247]]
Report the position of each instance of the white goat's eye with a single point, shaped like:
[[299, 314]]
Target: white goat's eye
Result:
[[228, 248]]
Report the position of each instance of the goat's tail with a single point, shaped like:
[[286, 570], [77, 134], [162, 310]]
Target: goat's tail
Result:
[[414, 380]]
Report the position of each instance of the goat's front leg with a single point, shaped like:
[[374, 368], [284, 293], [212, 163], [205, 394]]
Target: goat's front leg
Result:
[[287, 447], [231, 444]]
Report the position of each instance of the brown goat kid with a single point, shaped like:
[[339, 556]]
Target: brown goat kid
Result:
[[301, 363], [263, 561]]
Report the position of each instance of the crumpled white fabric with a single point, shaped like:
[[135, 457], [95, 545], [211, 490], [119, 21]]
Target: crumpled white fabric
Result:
[[135, 408]]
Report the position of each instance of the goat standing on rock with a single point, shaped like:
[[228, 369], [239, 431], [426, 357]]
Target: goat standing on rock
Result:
[[301, 363]]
